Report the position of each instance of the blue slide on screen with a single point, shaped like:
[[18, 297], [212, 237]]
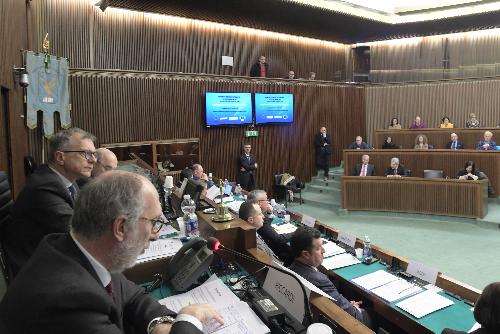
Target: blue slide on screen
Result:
[[228, 109], [273, 108]]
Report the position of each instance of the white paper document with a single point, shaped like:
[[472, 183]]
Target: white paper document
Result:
[[159, 249], [375, 279], [213, 292], [396, 290], [339, 261], [213, 192], [424, 303], [284, 228], [238, 319], [331, 248], [308, 221], [234, 206], [474, 327]]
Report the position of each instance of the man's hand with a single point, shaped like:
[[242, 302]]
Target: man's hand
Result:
[[357, 304], [255, 165], [202, 312], [242, 169]]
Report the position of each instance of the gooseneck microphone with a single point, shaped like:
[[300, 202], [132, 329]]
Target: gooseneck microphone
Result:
[[215, 245]]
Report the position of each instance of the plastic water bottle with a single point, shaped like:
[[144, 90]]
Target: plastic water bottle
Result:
[[237, 189], [367, 250], [187, 207], [210, 181], [193, 225]]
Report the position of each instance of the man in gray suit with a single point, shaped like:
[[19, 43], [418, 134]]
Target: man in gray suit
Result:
[[306, 245], [364, 168]]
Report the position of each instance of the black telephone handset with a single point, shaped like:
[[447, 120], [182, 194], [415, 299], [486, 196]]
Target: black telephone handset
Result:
[[189, 263]]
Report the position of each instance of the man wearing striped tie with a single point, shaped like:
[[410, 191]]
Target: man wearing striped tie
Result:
[[364, 168]]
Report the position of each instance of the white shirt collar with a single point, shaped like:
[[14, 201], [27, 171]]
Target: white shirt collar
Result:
[[102, 272], [67, 183]]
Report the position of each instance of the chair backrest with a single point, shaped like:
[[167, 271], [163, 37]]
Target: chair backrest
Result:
[[277, 179], [5, 207], [30, 165]]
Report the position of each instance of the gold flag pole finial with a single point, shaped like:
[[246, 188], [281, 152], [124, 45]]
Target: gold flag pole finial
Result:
[[46, 48]]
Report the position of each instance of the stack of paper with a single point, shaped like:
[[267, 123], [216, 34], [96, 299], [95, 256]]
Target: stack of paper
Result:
[[424, 303], [284, 228], [395, 290], [234, 206], [159, 249], [339, 261], [374, 280], [331, 248], [238, 316]]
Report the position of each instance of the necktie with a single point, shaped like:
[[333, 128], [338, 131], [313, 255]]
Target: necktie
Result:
[[72, 192], [248, 158], [110, 291], [454, 146]]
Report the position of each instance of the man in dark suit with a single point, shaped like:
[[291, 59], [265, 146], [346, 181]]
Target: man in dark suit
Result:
[[260, 69], [106, 160], [45, 205], [248, 165], [323, 150], [359, 144], [268, 240], [307, 251], [395, 170], [454, 143], [73, 282], [364, 168], [260, 196]]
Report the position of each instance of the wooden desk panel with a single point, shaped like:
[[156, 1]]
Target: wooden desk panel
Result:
[[417, 195], [437, 137], [450, 161]]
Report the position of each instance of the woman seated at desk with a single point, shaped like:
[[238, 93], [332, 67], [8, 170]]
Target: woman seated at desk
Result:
[[388, 144], [446, 123], [395, 170], [470, 172], [421, 142], [395, 124], [472, 122], [486, 311]]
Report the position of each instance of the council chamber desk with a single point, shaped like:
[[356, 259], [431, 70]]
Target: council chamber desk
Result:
[[438, 138], [449, 161], [448, 197]]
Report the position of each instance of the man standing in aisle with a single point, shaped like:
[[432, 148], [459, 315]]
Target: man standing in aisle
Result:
[[322, 145], [248, 165]]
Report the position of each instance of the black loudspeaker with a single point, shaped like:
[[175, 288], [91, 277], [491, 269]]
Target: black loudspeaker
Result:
[[361, 63]]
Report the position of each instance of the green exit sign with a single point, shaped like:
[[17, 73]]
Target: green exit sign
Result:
[[253, 133]]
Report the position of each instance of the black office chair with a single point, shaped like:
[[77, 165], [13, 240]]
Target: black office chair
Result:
[[281, 192], [5, 207], [30, 165]]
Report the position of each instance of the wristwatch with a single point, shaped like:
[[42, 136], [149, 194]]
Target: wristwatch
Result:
[[166, 319]]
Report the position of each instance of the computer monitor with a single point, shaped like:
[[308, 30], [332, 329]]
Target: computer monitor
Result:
[[193, 189], [433, 174]]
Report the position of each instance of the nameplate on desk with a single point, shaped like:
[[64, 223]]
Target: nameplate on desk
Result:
[[213, 192], [308, 221], [421, 271], [286, 291], [347, 239]]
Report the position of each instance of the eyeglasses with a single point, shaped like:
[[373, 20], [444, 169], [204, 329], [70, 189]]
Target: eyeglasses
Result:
[[156, 223], [85, 154]]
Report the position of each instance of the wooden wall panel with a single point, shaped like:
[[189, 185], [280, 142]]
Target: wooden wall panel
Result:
[[128, 40], [136, 107], [13, 38], [432, 100]]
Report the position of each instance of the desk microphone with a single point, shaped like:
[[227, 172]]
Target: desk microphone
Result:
[[215, 245]]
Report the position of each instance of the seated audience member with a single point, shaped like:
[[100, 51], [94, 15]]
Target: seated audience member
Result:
[[486, 311], [105, 161], [418, 124], [312, 76], [388, 144], [487, 143], [395, 170], [73, 283], [186, 173], [268, 240], [472, 122], [291, 75], [200, 177], [364, 168], [359, 144], [446, 123], [260, 69], [470, 172], [307, 251], [261, 197], [454, 143], [421, 142], [45, 205], [395, 124]]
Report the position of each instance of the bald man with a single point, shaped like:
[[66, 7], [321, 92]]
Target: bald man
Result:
[[322, 145], [106, 161]]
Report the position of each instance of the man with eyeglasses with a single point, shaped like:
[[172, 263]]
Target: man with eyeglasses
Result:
[[45, 205], [73, 283], [106, 161]]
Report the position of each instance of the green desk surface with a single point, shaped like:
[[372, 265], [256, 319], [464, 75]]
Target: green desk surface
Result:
[[457, 316]]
